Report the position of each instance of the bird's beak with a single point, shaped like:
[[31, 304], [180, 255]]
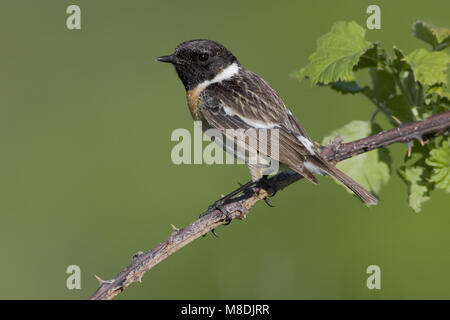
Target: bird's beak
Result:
[[168, 59]]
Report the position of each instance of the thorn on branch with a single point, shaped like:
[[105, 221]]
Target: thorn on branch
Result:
[[396, 120], [101, 281], [409, 144], [175, 231], [419, 138], [139, 278]]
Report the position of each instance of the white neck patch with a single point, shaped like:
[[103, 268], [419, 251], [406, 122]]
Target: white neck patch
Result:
[[227, 73]]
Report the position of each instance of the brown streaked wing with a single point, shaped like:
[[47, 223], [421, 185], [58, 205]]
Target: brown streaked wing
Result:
[[291, 151], [253, 98]]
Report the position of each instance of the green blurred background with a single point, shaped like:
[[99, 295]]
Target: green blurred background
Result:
[[86, 177]]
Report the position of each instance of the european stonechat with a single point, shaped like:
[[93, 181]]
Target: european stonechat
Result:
[[224, 95]]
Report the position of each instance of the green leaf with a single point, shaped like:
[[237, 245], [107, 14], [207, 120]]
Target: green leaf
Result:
[[399, 62], [412, 91], [346, 87], [372, 58], [439, 160], [400, 108], [429, 67], [437, 98], [337, 53], [383, 85], [370, 169], [439, 91], [418, 192], [439, 38]]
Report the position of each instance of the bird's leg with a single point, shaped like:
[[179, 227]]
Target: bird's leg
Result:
[[270, 187], [219, 204], [267, 185]]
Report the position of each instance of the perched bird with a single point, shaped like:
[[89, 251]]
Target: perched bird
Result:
[[224, 95]]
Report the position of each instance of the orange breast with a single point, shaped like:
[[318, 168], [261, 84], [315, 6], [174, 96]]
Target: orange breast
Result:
[[192, 99]]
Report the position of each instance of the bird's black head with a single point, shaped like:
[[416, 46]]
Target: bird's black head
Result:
[[199, 60]]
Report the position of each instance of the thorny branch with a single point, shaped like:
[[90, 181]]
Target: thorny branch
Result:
[[238, 208]]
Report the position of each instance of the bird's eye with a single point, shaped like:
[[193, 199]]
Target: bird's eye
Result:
[[203, 57]]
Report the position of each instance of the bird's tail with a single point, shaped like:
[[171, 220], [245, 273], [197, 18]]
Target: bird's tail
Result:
[[357, 189]]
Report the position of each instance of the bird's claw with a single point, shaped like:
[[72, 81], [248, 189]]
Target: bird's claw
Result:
[[267, 201], [218, 205]]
